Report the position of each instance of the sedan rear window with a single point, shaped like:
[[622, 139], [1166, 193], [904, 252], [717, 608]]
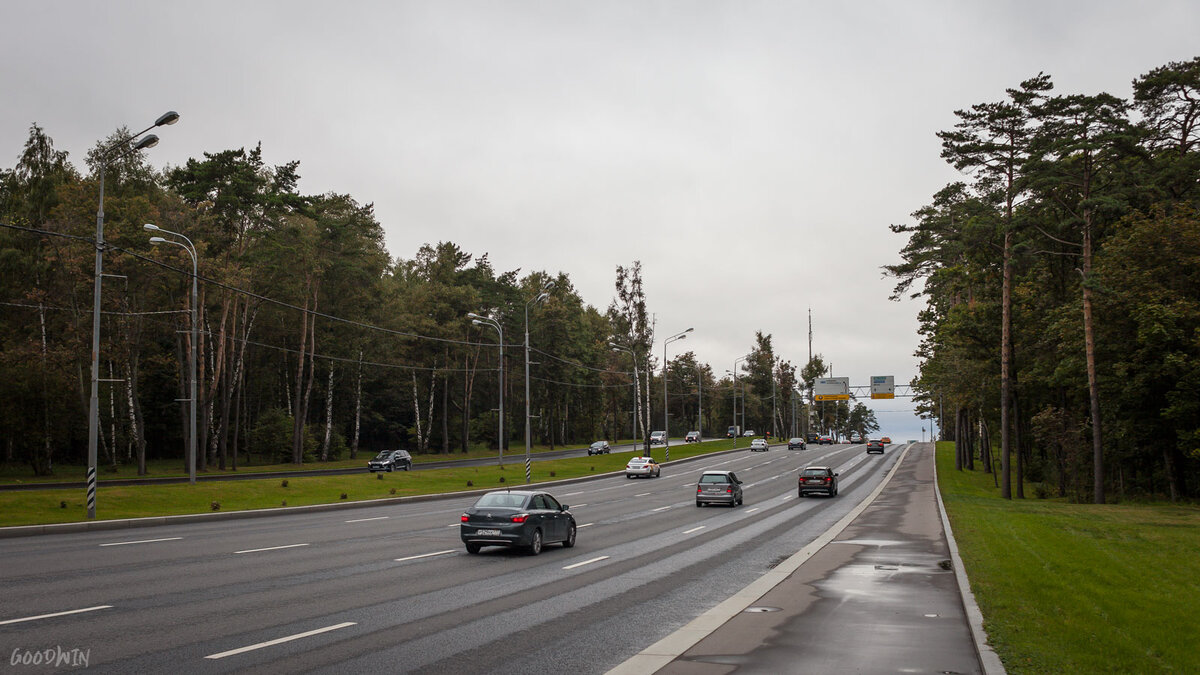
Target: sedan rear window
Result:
[[816, 472], [501, 499], [714, 478]]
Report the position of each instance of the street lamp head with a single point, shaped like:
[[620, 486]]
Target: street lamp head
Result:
[[151, 227], [689, 330], [157, 240], [477, 322], [549, 285], [169, 117], [148, 141], [541, 298], [470, 315]]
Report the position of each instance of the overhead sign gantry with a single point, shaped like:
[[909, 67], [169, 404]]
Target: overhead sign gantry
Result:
[[883, 386], [832, 389]]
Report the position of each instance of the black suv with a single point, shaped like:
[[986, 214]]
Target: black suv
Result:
[[818, 479], [391, 460]]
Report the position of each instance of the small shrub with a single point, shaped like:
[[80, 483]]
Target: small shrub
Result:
[[470, 484], [552, 474], [216, 506], [62, 505], [392, 491], [343, 495], [501, 479], [283, 503], [283, 483], [591, 468], [379, 476]]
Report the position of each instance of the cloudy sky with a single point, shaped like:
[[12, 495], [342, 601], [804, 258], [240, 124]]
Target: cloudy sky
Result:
[[750, 154]]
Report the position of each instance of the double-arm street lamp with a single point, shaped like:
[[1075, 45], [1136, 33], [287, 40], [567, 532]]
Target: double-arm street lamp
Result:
[[188, 246], [541, 297], [666, 423], [142, 143], [737, 430], [486, 321]]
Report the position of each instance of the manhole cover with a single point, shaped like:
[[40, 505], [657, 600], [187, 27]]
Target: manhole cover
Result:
[[753, 610]]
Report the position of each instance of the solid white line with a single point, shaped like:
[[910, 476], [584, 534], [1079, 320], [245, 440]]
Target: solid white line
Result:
[[143, 541], [585, 525], [694, 529], [585, 562], [47, 616], [363, 520], [661, 508], [426, 555], [270, 548], [281, 640]]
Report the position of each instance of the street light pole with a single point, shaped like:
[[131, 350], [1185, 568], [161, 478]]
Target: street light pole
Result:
[[666, 422], [191, 249], [633, 417], [700, 401], [485, 321], [148, 141], [545, 293]]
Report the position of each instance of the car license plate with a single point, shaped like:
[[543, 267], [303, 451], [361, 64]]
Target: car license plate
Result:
[[488, 533], [814, 481]]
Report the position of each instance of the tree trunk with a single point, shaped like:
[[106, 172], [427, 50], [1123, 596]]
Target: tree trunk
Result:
[[1089, 340], [357, 407], [1006, 366], [299, 411], [328, 416]]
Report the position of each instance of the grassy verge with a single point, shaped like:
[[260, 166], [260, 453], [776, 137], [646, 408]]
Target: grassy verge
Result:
[[1078, 588], [64, 506], [173, 468]]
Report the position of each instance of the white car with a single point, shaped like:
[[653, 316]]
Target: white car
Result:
[[642, 466], [658, 438], [749, 433], [759, 445]]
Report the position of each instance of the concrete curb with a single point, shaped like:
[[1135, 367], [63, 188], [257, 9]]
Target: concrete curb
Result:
[[666, 650], [987, 657], [154, 521]]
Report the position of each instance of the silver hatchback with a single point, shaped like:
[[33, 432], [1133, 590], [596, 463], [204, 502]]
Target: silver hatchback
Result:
[[718, 487]]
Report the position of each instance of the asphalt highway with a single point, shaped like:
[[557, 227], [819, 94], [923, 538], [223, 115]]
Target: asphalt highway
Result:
[[392, 589]]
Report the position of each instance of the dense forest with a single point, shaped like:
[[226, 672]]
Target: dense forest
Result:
[[1061, 332], [313, 343]]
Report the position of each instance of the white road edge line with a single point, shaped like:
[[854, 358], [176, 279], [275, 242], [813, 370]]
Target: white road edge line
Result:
[[659, 654], [271, 643], [426, 555], [585, 562], [143, 541], [363, 520], [694, 529], [269, 548], [48, 616]]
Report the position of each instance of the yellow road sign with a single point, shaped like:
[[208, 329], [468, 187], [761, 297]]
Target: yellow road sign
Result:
[[833, 397], [887, 395]]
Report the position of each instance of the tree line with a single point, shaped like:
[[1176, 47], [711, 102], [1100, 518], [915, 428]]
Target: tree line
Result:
[[1061, 329], [314, 343]]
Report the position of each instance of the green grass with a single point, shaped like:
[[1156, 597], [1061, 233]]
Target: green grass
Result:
[[45, 506], [173, 468], [1078, 588]]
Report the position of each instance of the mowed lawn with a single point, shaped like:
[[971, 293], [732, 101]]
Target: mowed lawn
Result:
[[1078, 588], [38, 507]]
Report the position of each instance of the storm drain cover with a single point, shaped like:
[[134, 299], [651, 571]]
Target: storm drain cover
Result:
[[754, 610]]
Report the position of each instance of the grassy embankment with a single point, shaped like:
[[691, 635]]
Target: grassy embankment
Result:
[[46, 506], [1078, 588]]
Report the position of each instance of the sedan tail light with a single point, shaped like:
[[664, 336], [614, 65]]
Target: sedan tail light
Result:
[[520, 518], [699, 489], [465, 518], [729, 490]]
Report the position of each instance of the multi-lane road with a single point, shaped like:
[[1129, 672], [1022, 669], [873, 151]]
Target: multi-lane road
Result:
[[391, 588]]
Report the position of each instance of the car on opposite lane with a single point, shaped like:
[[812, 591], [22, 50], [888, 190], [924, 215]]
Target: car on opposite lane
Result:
[[759, 445], [599, 448], [658, 438], [795, 443], [642, 466], [748, 433], [825, 440], [855, 437], [692, 437], [818, 480], [517, 519], [886, 440], [874, 445], [718, 487], [391, 460]]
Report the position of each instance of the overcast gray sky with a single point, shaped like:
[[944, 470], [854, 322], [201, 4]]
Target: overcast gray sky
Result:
[[750, 154]]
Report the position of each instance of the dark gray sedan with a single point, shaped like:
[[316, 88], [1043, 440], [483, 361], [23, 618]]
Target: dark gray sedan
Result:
[[517, 519], [718, 487]]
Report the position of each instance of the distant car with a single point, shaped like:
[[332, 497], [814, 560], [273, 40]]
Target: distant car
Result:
[[517, 519], [795, 444], [658, 438], [886, 440], [854, 437], [874, 445], [749, 432], [692, 437], [642, 466], [825, 440], [718, 487], [599, 448], [391, 460], [759, 445], [818, 480]]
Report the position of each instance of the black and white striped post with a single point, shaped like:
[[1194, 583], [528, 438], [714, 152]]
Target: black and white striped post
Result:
[[91, 492]]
